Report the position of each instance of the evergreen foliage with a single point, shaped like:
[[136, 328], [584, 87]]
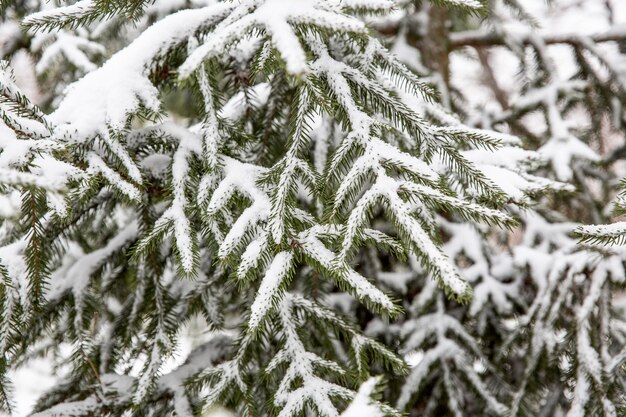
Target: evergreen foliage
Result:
[[331, 210]]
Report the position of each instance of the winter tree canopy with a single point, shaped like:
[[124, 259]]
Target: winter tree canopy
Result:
[[334, 208]]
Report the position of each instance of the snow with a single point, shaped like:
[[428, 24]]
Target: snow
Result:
[[444, 270], [362, 404], [239, 177], [507, 168], [301, 367], [28, 384], [98, 166], [182, 227], [275, 277], [474, 4], [80, 8], [10, 33], [397, 280], [609, 230], [74, 49], [235, 107], [105, 97], [75, 277], [362, 288], [252, 255], [276, 17], [485, 274], [87, 406], [446, 350], [562, 153], [175, 216]]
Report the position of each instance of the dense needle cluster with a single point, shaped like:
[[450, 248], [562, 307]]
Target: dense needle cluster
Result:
[[303, 181]]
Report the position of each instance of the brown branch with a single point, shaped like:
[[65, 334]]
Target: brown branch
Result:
[[490, 79], [478, 39], [501, 95]]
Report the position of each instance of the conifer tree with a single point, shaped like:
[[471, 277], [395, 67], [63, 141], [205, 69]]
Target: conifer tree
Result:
[[305, 180]]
